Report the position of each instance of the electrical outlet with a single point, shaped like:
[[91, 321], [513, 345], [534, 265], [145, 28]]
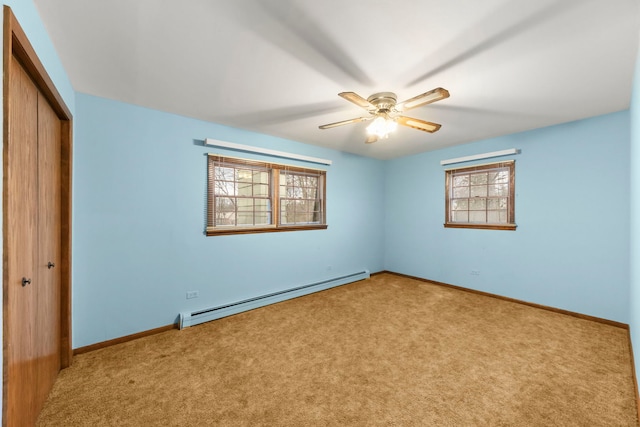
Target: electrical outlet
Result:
[[192, 294], [475, 272]]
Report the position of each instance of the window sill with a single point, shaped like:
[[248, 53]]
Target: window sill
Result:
[[510, 227], [252, 230]]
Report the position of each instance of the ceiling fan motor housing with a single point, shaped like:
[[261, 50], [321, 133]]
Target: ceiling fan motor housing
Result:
[[383, 101]]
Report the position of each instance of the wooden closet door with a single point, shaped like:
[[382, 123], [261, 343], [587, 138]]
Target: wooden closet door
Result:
[[21, 205], [36, 230], [47, 265]]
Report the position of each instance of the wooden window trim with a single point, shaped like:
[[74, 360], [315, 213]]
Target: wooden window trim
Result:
[[481, 226], [272, 229], [275, 169], [510, 225]]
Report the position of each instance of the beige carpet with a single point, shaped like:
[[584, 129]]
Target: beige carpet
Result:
[[386, 351]]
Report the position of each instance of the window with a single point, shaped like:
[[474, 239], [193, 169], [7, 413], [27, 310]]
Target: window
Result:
[[481, 196], [247, 196]]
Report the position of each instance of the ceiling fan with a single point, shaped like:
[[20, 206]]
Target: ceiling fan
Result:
[[386, 113]]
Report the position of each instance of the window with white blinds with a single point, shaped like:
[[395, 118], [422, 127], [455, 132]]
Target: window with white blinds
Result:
[[248, 196], [481, 196]]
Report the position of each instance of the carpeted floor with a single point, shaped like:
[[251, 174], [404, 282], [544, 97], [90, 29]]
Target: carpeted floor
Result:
[[386, 351]]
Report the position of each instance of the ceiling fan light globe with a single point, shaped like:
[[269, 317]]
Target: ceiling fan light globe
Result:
[[382, 127]]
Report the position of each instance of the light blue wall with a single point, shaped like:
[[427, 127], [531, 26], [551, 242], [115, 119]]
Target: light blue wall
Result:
[[29, 19], [570, 249], [634, 319], [139, 212]]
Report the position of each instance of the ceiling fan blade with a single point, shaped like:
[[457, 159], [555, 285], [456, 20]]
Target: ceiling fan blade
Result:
[[345, 122], [434, 95], [418, 124], [356, 99], [371, 139]]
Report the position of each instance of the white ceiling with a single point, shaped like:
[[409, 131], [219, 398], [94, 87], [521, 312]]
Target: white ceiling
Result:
[[276, 66]]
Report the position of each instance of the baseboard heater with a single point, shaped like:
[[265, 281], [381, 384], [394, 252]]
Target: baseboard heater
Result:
[[187, 319]]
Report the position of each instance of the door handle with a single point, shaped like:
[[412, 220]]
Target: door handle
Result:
[[50, 265], [26, 281]]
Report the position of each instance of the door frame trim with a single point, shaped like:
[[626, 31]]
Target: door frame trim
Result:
[[16, 44]]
